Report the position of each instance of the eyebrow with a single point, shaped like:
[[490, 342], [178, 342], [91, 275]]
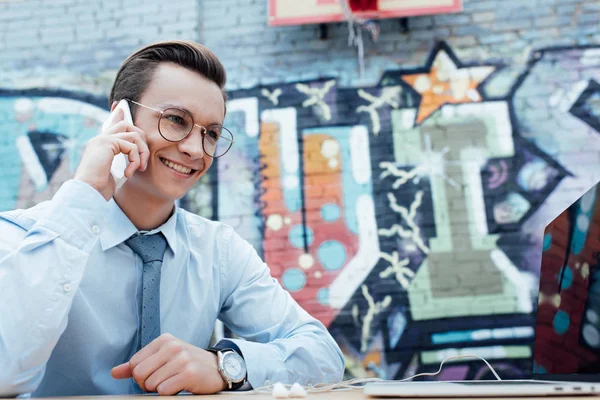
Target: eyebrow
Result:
[[164, 106]]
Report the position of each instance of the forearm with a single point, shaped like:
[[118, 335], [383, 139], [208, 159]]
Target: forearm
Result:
[[308, 356], [286, 343], [41, 267]]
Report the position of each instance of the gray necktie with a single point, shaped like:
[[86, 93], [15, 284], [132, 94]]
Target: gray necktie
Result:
[[151, 248]]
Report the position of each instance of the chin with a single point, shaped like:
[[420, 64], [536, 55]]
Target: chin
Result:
[[171, 193]]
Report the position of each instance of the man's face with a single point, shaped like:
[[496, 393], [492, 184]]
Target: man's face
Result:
[[175, 86]]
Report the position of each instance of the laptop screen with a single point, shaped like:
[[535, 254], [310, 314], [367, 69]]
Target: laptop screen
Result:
[[568, 318]]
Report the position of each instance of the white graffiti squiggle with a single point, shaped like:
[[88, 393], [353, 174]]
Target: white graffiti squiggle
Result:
[[374, 309], [398, 268], [409, 217], [403, 176], [388, 96], [272, 96], [316, 97], [433, 164]]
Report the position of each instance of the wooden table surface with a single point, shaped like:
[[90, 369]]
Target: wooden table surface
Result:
[[337, 395]]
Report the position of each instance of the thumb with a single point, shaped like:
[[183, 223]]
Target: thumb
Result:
[[122, 371]]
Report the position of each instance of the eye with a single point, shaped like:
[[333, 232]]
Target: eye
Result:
[[176, 119], [213, 133]]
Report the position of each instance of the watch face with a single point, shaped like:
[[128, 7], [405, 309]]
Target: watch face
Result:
[[234, 366]]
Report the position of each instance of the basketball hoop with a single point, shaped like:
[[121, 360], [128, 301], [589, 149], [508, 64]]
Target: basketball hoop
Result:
[[356, 25], [363, 5]]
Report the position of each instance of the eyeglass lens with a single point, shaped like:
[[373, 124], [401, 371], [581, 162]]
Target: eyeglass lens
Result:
[[175, 124]]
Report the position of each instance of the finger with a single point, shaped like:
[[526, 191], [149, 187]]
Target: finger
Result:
[[155, 369], [122, 126], [172, 385], [143, 150], [131, 150], [151, 348], [122, 371], [140, 141], [145, 155]]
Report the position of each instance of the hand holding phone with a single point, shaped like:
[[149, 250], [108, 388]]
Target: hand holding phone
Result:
[[120, 162], [115, 154]]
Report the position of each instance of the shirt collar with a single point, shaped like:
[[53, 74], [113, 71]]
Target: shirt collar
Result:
[[119, 228]]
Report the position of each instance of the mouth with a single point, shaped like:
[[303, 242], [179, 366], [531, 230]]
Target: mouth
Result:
[[177, 167]]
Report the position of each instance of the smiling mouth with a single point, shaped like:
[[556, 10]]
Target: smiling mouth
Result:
[[176, 167]]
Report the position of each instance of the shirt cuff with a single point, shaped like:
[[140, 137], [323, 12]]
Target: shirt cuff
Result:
[[77, 213], [255, 355]]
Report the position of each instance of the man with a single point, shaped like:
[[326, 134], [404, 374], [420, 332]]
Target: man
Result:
[[105, 292]]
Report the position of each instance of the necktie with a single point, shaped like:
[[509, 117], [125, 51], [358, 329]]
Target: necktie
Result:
[[151, 248]]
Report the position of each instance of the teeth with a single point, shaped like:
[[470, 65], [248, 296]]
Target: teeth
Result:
[[176, 167]]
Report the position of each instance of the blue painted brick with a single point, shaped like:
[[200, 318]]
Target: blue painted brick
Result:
[[463, 41], [587, 7], [540, 33], [589, 18], [513, 24], [451, 19], [486, 16], [481, 5], [11, 15], [469, 30], [497, 38], [439, 33], [552, 21], [420, 22], [566, 9]]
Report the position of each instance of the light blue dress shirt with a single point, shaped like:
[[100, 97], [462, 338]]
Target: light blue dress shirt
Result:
[[69, 290]]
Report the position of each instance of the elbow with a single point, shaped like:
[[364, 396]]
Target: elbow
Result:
[[336, 364], [342, 370], [339, 366], [330, 372]]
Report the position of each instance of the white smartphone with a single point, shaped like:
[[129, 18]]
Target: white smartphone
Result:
[[120, 162]]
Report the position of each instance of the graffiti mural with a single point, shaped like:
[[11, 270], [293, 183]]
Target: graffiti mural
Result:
[[43, 134], [429, 255], [407, 216]]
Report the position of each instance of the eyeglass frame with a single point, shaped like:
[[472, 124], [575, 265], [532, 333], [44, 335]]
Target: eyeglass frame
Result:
[[203, 129]]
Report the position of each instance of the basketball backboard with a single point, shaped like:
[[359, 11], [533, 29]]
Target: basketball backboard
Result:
[[295, 12]]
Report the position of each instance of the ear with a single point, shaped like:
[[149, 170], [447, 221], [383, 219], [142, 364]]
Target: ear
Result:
[[113, 105]]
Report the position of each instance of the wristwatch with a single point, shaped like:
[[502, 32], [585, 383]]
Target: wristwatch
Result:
[[232, 367]]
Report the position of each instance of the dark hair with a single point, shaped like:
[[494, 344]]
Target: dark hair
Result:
[[137, 70]]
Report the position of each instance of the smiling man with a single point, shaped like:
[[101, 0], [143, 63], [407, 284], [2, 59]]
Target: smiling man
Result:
[[105, 292]]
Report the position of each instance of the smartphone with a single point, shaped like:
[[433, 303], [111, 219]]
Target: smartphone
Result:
[[120, 162]]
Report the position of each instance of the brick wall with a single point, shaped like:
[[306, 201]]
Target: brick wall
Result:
[[484, 31], [404, 208]]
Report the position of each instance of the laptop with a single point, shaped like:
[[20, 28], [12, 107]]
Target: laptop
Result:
[[567, 333]]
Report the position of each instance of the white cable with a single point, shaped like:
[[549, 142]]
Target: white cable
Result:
[[452, 358], [358, 383]]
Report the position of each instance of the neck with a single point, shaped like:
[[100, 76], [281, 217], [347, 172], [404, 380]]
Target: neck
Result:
[[145, 211]]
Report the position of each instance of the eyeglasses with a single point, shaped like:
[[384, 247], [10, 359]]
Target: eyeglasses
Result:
[[175, 124]]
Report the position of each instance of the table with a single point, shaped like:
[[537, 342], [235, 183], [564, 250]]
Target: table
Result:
[[338, 395]]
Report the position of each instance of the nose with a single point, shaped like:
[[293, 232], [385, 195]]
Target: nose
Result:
[[192, 144]]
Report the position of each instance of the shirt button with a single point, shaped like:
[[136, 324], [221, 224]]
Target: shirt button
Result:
[[95, 229], [67, 287]]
